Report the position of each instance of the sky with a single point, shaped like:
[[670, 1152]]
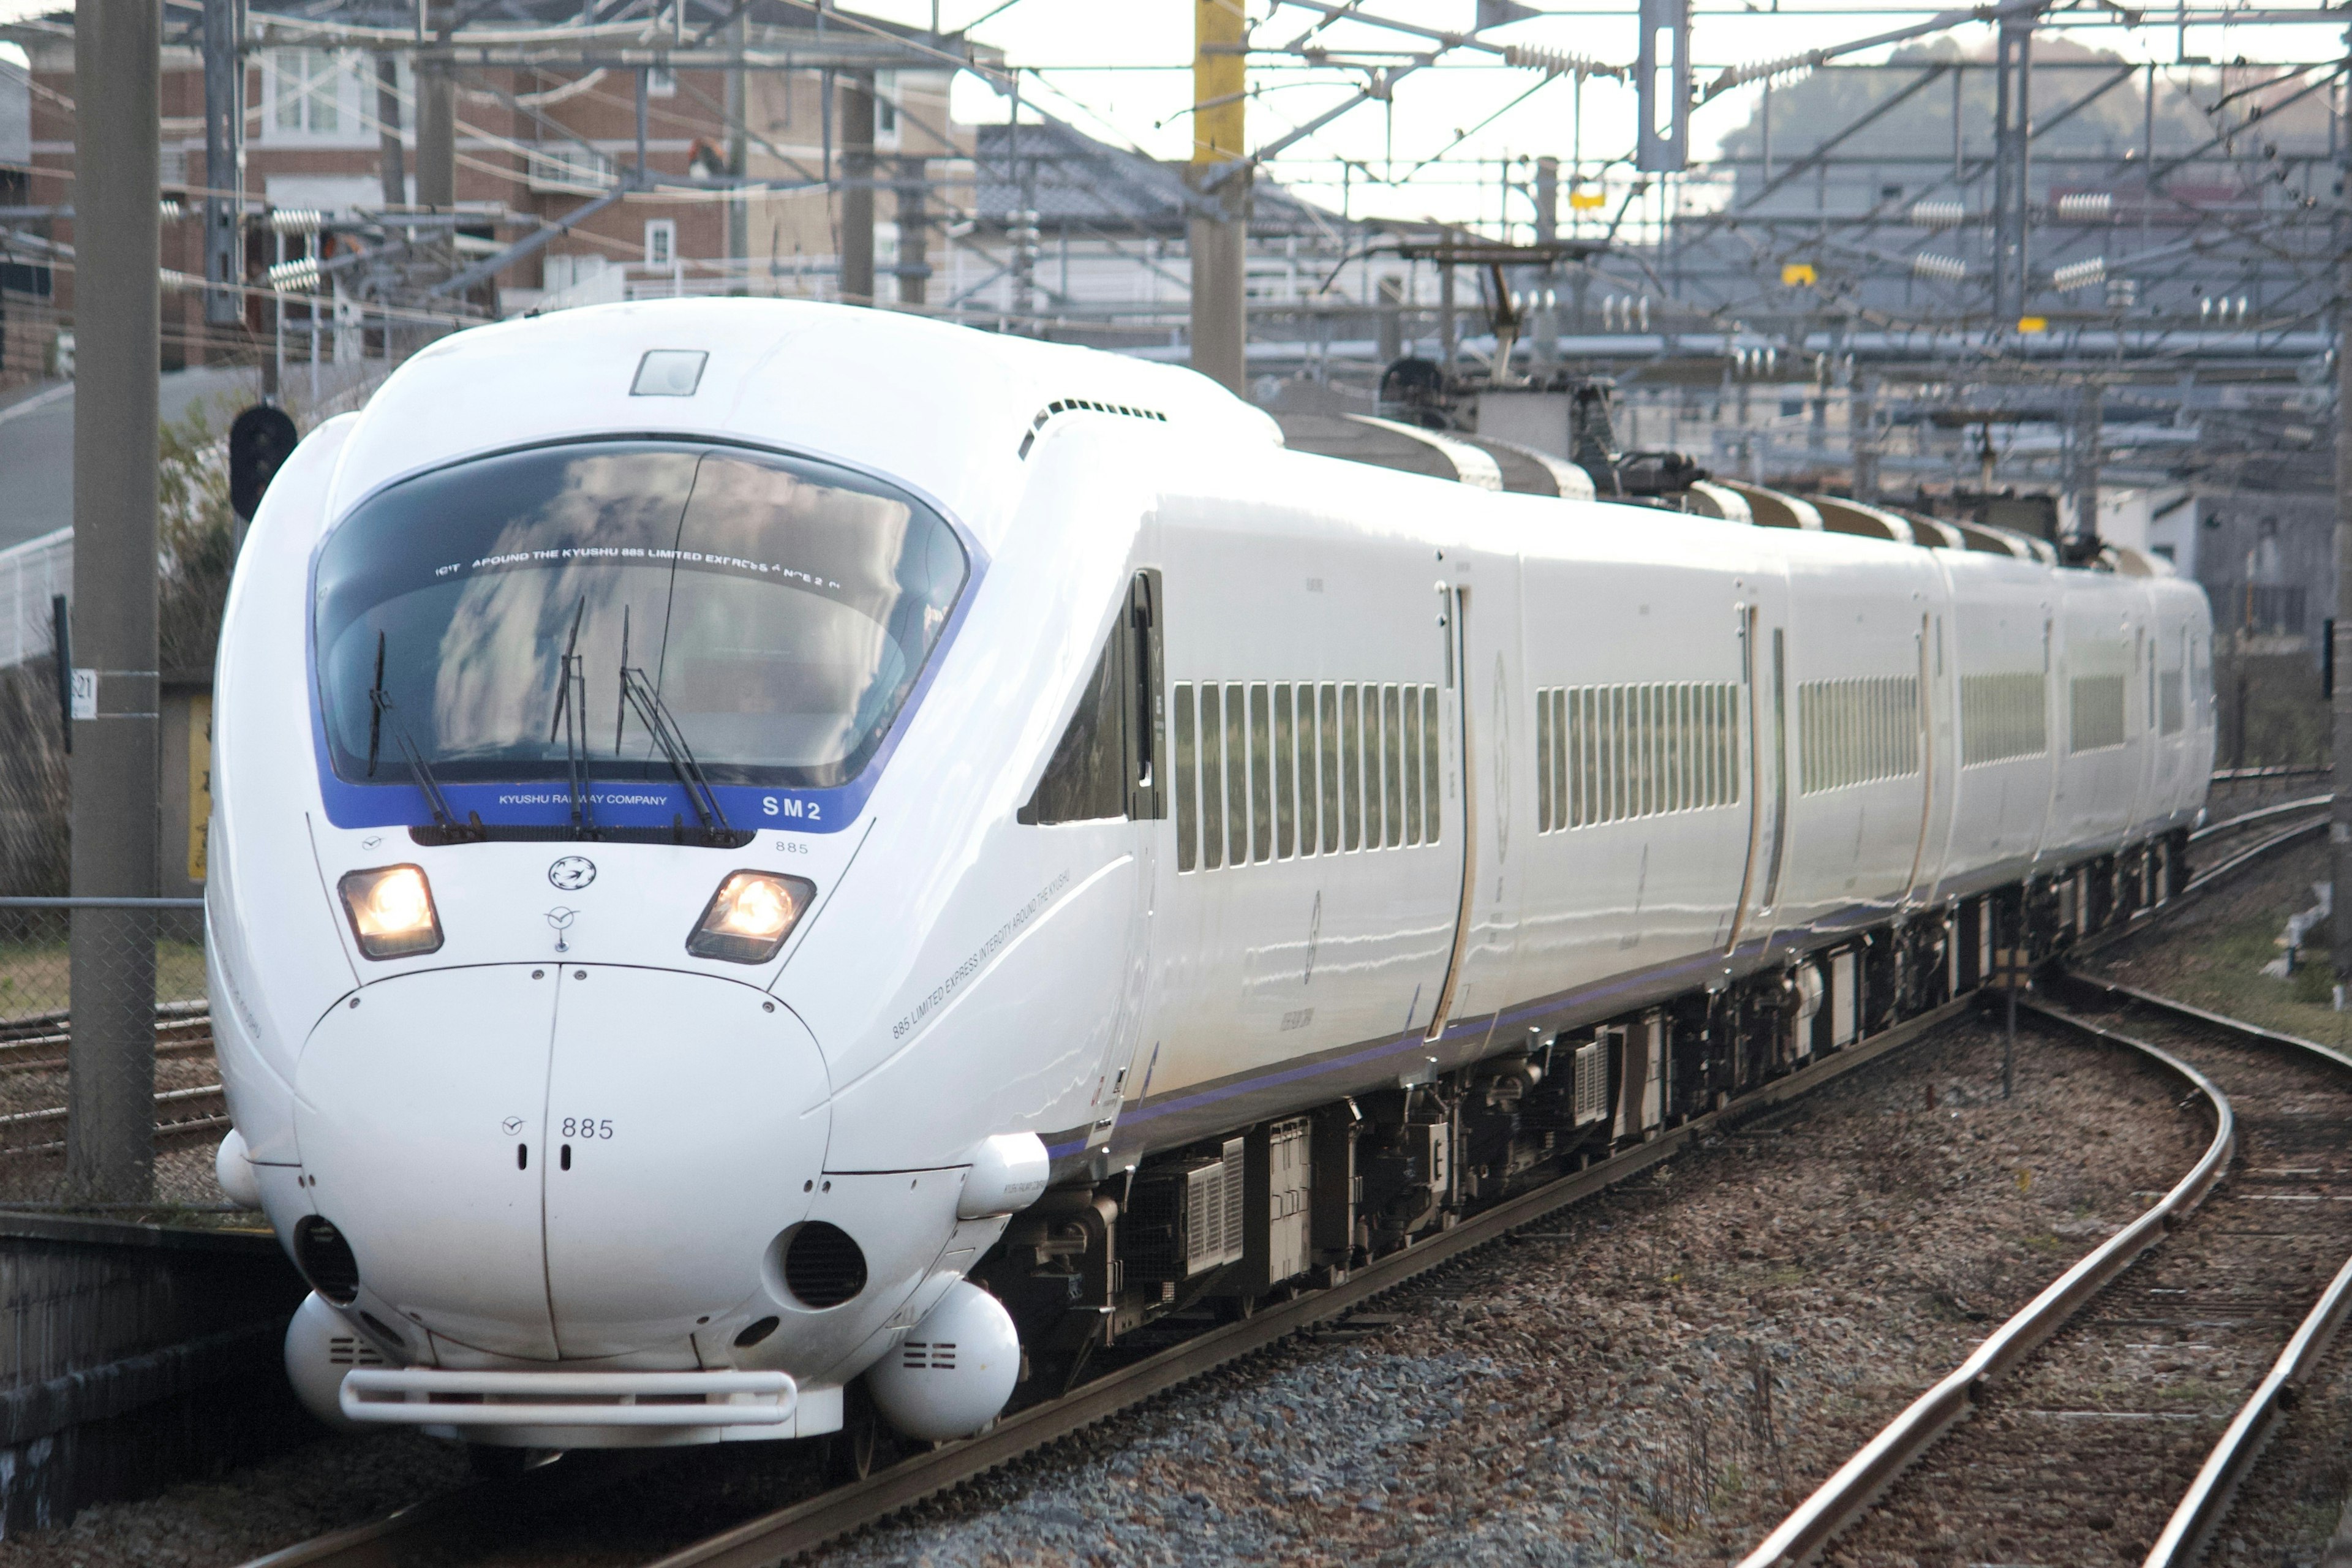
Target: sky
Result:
[[1122, 72]]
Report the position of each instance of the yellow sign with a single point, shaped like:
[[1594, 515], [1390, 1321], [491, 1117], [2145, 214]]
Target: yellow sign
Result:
[[200, 781], [1797, 275], [1585, 200], [2032, 324]]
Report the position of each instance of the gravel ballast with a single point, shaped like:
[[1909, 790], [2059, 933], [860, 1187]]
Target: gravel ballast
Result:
[[1654, 1376]]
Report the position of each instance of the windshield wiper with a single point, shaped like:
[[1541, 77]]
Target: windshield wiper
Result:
[[655, 715], [572, 717], [380, 707]]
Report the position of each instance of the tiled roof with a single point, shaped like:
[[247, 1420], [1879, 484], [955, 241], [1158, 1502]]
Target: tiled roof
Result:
[[1081, 181]]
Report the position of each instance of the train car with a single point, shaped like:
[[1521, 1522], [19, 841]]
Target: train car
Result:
[[775, 862]]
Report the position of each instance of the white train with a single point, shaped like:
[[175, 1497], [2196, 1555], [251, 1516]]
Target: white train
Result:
[[736, 820]]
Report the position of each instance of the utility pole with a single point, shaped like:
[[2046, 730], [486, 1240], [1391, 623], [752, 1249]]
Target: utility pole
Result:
[[739, 159], [1220, 175], [2088, 436], [914, 231], [2339, 831], [1546, 349], [437, 118], [2012, 127], [857, 189], [223, 162], [1861, 431], [391, 158], [118, 321]]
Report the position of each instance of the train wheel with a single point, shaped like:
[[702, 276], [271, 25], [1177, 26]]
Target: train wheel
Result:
[[850, 1453]]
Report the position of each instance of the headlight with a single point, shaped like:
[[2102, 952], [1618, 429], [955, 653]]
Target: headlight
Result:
[[391, 909], [749, 916]]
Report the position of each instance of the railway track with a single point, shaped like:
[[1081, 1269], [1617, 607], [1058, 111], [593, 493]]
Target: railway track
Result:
[[2114, 1420], [791, 1532], [435, 1529]]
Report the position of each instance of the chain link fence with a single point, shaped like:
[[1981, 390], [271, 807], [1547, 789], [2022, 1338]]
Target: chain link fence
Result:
[[106, 1071]]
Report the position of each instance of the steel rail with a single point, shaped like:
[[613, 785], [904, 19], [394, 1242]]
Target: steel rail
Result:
[[2309, 803], [2243, 858], [1857, 1486], [786, 1533], [2207, 1501]]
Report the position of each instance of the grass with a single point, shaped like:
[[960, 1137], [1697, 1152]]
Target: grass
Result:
[[34, 977], [2223, 972]]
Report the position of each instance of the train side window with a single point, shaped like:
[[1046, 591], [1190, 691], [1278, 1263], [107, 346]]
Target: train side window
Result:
[[1294, 769], [1188, 811], [1084, 781], [1613, 719], [1560, 758], [1711, 722], [1212, 777], [1351, 763], [1543, 761], [1261, 774], [1661, 790], [1646, 738], [1330, 736], [1588, 740], [1237, 819], [1677, 746], [1390, 760], [1429, 788], [1726, 717], [1107, 763], [1411, 780]]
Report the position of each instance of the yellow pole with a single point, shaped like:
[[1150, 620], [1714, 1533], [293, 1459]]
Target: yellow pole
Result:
[[1219, 239], [1219, 76]]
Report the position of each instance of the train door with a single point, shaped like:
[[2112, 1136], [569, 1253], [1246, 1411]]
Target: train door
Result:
[[1149, 761], [1458, 750], [1939, 747], [1765, 700]]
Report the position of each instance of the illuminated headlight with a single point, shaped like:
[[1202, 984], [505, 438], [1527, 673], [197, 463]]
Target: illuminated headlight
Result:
[[391, 909], [749, 916]]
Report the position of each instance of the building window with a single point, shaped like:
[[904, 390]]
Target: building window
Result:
[[661, 241], [313, 95]]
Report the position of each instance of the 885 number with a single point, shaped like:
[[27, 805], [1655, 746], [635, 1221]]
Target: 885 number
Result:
[[587, 1127]]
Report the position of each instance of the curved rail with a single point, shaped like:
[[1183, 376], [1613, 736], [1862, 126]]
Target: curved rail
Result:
[[1848, 1494], [2261, 814], [2207, 1501], [830, 1515]]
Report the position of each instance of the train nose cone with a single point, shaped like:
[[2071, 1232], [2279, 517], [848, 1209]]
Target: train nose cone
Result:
[[569, 1162]]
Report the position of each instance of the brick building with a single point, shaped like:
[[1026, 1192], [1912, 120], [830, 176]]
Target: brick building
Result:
[[726, 170]]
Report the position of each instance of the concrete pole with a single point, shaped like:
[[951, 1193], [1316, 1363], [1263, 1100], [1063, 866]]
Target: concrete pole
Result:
[[223, 162], [857, 189], [392, 157], [1862, 431], [2086, 459], [1220, 239], [1449, 327], [2013, 125], [914, 231], [436, 135], [1546, 325], [2340, 829], [111, 1100], [738, 156]]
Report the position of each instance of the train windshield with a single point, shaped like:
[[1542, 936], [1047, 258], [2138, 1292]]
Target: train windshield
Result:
[[506, 614]]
